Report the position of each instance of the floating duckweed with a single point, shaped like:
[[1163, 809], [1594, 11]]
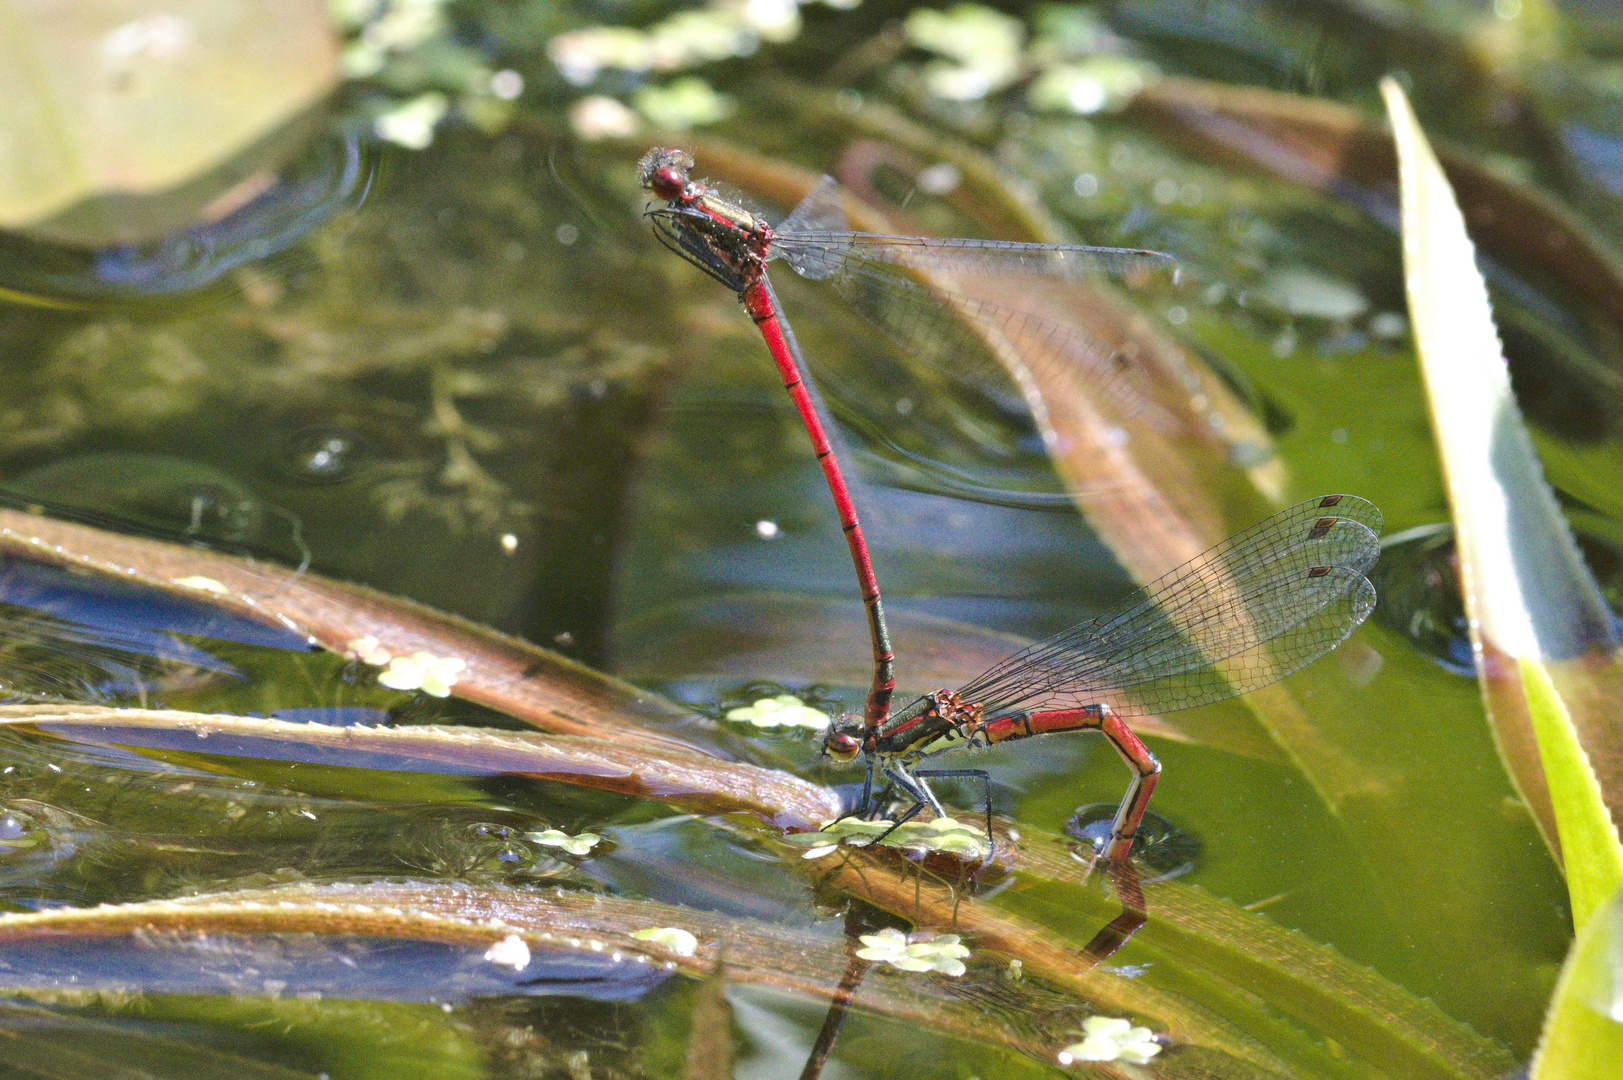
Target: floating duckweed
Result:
[[682, 41], [510, 951], [600, 117], [1093, 85], [575, 845], [673, 938], [685, 103], [434, 675], [940, 953], [784, 710], [412, 124], [981, 49], [580, 54], [944, 835], [1109, 1038], [368, 650]]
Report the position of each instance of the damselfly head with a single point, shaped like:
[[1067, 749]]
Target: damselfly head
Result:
[[844, 739], [665, 172]]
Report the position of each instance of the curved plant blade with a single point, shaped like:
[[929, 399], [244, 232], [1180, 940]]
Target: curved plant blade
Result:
[[711, 1052], [1583, 1035], [1546, 640], [62, 1046], [691, 781], [605, 931], [512, 676], [1031, 1015]]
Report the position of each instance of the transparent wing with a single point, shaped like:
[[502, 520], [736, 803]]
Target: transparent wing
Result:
[[819, 255], [817, 243], [956, 333], [962, 336], [1245, 614]]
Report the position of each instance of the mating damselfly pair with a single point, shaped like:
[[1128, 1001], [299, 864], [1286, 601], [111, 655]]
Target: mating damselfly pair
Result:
[[1243, 615]]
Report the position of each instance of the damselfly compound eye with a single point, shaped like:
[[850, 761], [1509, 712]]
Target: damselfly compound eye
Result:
[[842, 747], [667, 183]]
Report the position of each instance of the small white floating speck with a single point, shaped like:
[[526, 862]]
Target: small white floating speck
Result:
[[510, 951], [206, 584]]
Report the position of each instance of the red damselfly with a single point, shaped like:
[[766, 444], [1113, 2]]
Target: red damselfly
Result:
[[733, 245], [1255, 608]]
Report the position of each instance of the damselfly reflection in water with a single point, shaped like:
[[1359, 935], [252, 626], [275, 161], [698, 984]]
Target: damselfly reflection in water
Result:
[[733, 245]]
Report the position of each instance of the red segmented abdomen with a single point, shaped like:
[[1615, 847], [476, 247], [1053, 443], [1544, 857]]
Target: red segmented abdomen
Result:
[[759, 306], [1025, 725], [1005, 728]]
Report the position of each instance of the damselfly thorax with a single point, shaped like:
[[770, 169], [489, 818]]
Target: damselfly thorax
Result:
[[931, 725]]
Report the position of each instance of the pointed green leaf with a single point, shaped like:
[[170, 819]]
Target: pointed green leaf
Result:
[[1535, 611]]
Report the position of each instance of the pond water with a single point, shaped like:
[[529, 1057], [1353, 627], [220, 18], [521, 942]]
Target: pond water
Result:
[[468, 377]]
